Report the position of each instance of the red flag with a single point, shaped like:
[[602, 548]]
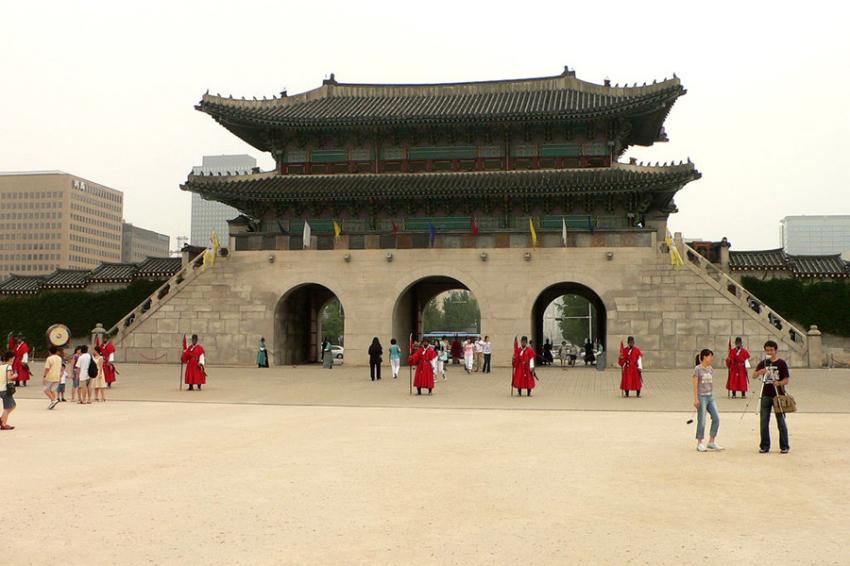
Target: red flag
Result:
[[394, 228], [622, 359], [184, 343], [474, 228], [97, 341], [516, 353], [12, 343], [410, 344]]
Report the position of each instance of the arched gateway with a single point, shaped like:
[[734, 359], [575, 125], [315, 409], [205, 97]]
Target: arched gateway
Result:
[[587, 316], [298, 331]]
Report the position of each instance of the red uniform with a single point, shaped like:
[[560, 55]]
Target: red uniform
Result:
[[736, 361], [193, 357], [523, 374], [422, 359], [21, 357], [108, 351], [631, 379]]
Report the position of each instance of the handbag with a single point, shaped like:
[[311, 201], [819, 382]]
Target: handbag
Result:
[[784, 403], [10, 387]]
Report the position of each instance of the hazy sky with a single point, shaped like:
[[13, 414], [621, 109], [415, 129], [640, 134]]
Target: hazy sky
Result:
[[105, 90]]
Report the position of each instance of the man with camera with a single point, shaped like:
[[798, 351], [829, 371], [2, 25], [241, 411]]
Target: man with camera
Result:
[[773, 372]]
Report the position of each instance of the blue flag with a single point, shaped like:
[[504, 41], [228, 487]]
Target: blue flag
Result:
[[282, 229], [432, 234]]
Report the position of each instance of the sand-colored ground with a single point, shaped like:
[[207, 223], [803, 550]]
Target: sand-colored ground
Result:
[[308, 466]]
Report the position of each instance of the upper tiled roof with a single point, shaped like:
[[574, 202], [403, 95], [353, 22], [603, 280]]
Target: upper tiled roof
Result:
[[67, 278], [344, 105], [618, 179], [159, 266], [21, 284], [797, 265], [114, 272]]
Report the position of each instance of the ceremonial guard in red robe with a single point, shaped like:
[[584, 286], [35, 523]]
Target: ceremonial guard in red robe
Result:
[[20, 365], [523, 367], [632, 364], [424, 359], [107, 350], [738, 362], [193, 357]]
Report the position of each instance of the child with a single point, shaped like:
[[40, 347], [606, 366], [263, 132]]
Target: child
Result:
[[563, 353], [395, 357], [704, 400], [62, 378], [75, 376], [443, 357]]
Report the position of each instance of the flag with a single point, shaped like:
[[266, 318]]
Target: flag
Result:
[[394, 228], [305, 237], [337, 231], [675, 257], [474, 228], [432, 234], [533, 233], [564, 231], [410, 345], [97, 341], [215, 246], [11, 342], [516, 352], [207, 260], [281, 228], [184, 343]]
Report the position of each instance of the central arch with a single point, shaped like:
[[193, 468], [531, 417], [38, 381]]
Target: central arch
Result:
[[409, 309], [595, 319], [298, 323]]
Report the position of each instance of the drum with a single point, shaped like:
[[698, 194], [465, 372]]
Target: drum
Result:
[[58, 335]]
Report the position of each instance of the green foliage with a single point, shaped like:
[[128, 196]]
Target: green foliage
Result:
[[825, 303], [78, 310], [333, 321], [459, 313], [574, 330]]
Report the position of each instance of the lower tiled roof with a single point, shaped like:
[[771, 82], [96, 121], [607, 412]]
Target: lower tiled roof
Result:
[[797, 265]]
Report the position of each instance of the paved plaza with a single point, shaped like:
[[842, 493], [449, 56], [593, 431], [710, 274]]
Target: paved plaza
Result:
[[310, 466]]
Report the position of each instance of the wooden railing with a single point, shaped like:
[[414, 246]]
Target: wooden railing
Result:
[[737, 293], [131, 320]]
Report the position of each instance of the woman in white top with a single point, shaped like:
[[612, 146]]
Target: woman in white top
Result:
[[100, 380]]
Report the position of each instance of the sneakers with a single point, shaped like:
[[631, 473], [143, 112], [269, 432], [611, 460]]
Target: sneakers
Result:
[[763, 450], [700, 447], [714, 446], [784, 451], [53, 404]]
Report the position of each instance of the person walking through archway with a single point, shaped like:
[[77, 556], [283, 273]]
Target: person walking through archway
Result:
[[262, 354], [376, 353], [423, 358], [523, 367]]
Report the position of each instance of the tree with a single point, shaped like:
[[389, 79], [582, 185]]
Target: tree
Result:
[[432, 317], [460, 312], [574, 330], [333, 320]]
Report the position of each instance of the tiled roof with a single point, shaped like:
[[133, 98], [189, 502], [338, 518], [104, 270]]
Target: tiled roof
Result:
[[271, 187], [21, 284], [797, 265], [560, 98], [159, 266], [114, 272], [67, 278]]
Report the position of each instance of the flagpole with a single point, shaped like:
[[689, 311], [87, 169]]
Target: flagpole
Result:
[[409, 367], [180, 375]]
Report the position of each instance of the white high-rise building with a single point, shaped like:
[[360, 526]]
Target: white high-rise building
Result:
[[815, 235], [208, 215]]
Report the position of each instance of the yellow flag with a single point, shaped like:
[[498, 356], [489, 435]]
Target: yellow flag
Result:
[[533, 233], [208, 258], [675, 257], [216, 246], [337, 230]]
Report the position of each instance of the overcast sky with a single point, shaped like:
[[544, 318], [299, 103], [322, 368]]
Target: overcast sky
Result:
[[106, 90]]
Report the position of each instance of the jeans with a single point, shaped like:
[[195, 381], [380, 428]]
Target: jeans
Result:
[[707, 403], [487, 362], [766, 407]]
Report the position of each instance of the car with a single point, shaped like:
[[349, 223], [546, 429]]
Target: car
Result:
[[338, 353]]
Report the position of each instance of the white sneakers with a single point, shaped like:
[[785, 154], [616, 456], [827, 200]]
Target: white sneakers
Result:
[[711, 446], [700, 447]]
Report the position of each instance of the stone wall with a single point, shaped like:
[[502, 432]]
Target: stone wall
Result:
[[672, 312]]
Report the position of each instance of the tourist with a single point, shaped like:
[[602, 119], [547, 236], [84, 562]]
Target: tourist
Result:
[[75, 378], [439, 368], [423, 358], [631, 360], [523, 367], [548, 360], [704, 401], [63, 378], [738, 362], [376, 353], [563, 353], [395, 357], [81, 369], [468, 355], [6, 392], [573, 353], [327, 354], [488, 353], [107, 350], [262, 354], [193, 357], [52, 375], [443, 357], [457, 351], [589, 356], [21, 364], [99, 381], [774, 373], [479, 354]]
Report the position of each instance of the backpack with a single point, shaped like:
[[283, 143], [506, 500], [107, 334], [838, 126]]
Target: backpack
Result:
[[92, 368]]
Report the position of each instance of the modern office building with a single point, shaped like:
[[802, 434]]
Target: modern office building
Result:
[[209, 215], [52, 219], [138, 244], [815, 235]]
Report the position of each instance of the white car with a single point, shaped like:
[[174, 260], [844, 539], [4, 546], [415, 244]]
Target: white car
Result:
[[338, 353]]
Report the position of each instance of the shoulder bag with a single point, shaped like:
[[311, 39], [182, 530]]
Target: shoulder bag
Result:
[[784, 403]]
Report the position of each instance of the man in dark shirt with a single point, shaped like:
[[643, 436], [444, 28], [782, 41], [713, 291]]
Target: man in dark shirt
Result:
[[776, 368]]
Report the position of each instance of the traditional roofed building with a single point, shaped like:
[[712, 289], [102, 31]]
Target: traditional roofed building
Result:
[[513, 190]]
